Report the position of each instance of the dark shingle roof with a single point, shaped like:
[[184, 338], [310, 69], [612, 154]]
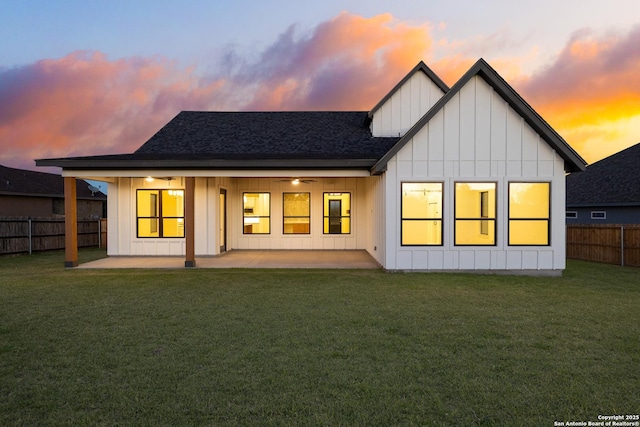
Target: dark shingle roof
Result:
[[29, 183], [611, 181], [268, 135]]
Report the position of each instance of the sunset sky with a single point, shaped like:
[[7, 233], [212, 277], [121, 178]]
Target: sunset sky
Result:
[[100, 77]]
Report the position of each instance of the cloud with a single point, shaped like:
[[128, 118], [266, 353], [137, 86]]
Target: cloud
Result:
[[344, 63], [88, 104], [591, 92], [85, 104]]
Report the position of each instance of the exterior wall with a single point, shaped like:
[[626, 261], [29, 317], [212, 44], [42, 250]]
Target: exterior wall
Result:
[[358, 239], [614, 215], [122, 238], [405, 107], [476, 137], [26, 206], [46, 207]]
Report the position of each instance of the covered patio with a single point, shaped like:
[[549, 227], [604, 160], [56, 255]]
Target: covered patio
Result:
[[347, 259]]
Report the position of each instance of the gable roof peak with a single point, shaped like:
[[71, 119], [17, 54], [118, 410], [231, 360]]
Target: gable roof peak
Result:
[[573, 161], [420, 67]]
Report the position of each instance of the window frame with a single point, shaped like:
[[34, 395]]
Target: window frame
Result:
[[571, 214], [325, 215], [509, 218], [255, 216], [484, 221], [599, 215], [441, 218], [284, 217], [159, 216]]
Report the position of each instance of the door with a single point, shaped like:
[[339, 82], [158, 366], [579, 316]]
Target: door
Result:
[[223, 220], [335, 216]]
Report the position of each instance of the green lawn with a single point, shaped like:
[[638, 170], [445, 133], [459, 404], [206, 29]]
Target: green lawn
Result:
[[314, 347]]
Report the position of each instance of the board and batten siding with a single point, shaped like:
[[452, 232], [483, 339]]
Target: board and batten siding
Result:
[[122, 216], [406, 106], [317, 240], [476, 137]]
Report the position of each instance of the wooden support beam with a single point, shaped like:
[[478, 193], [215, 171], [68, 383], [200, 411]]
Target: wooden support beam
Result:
[[70, 223], [189, 221]]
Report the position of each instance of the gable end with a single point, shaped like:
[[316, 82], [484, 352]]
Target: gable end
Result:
[[573, 161]]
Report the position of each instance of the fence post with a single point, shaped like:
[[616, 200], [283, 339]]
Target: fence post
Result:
[[622, 245], [99, 234], [30, 236]]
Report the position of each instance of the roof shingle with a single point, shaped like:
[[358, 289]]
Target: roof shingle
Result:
[[268, 135], [610, 181]]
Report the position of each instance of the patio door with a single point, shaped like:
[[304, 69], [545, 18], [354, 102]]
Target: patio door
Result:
[[335, 216], [223, 221]]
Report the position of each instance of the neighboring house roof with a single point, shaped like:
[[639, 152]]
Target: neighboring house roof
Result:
[[255, 140], [20, 182], [612, 181], [420, 67], [573, 161]]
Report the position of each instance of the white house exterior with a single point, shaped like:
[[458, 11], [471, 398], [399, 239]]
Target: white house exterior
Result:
[[465, 178]]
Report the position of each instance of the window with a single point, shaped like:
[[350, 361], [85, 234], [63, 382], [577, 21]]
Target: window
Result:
[[337, 213], [256, 213], [572, 214], [598, 215], [475, 213], [296, 208], [160, 213], [529, 213], [421, 207]]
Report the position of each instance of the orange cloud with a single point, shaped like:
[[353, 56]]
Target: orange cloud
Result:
[[591, 92], [87, 104], [345, 63]]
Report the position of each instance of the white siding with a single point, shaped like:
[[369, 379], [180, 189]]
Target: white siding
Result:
[[365, 230], [476, 137], [406, 106]]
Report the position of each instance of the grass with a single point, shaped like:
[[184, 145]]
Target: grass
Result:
[[314, 347]]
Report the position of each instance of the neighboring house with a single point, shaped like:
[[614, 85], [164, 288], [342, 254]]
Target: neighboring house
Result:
[[432, 178], [25, 193], [608, 192]]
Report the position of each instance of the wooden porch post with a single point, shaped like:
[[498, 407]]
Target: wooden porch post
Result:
[[70, 223], [189, 225]]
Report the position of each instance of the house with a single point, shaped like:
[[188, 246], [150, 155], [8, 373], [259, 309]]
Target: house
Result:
[[467, 178], [608, 192], [25, 193]]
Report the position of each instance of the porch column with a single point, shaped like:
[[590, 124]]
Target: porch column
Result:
[[70, 223], [189, 225]]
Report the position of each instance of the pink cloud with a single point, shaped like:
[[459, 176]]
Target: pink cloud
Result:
[[85, 104], [88, 104]]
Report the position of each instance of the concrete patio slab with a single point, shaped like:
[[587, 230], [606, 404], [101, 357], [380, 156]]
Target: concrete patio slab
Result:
[[347, 259]]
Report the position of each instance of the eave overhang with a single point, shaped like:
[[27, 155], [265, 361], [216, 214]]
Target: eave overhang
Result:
[[199, 164]]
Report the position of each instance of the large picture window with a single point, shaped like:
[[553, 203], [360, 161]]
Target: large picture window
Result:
[[475, 213], [529, 213], [160, 213], [296, 209], [421, 206], [256, 217], [337, 213]]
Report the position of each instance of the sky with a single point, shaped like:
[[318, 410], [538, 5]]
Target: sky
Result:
[[89, 77]]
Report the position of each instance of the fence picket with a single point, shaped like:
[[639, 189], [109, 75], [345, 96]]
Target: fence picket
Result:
[[28, 235]]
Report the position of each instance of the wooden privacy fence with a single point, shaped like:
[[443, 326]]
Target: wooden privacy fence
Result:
[[28, 235], [613, 244]]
